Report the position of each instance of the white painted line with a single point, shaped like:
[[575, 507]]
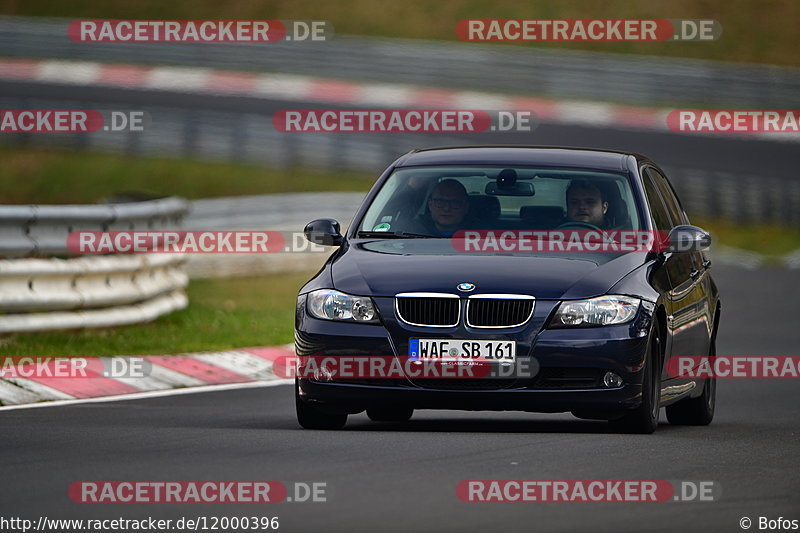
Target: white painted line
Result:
[[153, 394]]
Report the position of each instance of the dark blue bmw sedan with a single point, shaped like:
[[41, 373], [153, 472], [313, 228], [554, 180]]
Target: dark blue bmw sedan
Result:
[[510, 278]]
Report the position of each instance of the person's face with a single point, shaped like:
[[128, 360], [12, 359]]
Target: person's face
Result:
[[448, 206], [586, 205]]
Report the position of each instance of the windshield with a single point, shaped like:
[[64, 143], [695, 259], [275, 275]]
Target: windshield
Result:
[[438, 201]]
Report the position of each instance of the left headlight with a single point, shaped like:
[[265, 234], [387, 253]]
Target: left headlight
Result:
[[329, 304], [600, 311]]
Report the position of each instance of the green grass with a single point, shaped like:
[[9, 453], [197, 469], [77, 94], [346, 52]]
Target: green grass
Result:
[[762, 31], [222, 314], [44, 176], [769, 240]]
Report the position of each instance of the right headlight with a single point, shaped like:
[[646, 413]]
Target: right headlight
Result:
[[329, 304], [600, 311]]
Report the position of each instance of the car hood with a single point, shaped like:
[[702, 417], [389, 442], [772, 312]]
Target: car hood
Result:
[[388, 267]]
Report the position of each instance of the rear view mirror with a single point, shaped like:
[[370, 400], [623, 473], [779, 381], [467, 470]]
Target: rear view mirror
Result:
[[506, 184], [325, 231], [688, 239], [520, 188]]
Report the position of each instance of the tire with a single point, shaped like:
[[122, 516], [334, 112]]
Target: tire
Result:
[[644, 419], [390, 414], [696, 411], [311, 417]]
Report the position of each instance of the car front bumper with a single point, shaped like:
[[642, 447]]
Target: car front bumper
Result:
[[569, 363]]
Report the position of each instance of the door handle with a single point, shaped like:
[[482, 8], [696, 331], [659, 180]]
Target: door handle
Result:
[[694, 273], [707, 264]]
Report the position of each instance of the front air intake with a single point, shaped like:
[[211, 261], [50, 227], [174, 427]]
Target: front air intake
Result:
[[429, 309], [499, 310]]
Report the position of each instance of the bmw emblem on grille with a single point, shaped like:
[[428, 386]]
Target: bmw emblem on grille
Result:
[[466, 287]]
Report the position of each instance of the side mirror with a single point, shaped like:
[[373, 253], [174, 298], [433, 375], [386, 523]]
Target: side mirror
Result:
[[688, 239], [324, 231]]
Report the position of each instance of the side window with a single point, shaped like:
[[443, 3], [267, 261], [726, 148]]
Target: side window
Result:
[[670, 200], [661, 217]]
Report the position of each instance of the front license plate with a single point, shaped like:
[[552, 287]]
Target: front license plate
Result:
[[462, 350]]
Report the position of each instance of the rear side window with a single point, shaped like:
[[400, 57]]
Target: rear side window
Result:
[[661, 216], [670, 200]]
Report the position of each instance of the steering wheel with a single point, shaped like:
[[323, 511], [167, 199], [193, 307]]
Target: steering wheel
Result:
[[576, 224]]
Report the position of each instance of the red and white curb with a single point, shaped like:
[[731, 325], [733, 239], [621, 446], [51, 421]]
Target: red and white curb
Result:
[[165, 373], [298, 88]]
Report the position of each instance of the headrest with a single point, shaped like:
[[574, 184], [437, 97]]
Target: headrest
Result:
[[541, 212], [484, 207]]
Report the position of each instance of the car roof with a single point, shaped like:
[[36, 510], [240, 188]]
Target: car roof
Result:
[[518, 155]]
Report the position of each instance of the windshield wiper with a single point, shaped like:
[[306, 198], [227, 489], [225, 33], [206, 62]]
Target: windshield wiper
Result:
[[392, 235]]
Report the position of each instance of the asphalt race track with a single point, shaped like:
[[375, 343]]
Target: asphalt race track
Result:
[[393, 477]]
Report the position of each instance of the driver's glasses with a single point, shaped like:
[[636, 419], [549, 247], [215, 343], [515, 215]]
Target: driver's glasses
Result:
[[441, 203]]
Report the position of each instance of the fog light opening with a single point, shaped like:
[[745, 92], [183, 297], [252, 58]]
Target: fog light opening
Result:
[[612, 380]]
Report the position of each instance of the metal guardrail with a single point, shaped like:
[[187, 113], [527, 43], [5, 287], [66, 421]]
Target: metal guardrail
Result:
[[97, 291], [42, 230], [104, 281], [277, 212], [40, 294], [529, 69]]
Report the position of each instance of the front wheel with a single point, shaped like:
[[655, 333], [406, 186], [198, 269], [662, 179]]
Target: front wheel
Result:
[[644, 419], [311, 417], [696, 411]]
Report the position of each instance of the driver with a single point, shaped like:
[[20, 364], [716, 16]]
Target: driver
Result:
[[449, 208], [586, 203]]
